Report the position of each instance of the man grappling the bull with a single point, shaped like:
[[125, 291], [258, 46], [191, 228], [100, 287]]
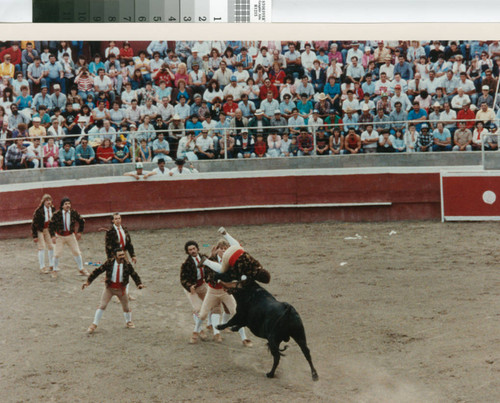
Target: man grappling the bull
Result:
[[237, 264]]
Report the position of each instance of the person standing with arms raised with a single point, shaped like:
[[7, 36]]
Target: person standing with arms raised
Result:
[[118, 271]]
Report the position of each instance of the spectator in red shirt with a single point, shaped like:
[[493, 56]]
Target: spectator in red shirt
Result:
[[165, 74], [268, 86], [260, 146], [466, 113], [126, 52], [230, 107], [105, 152], [305, 143], [15, 55], [277, 74]]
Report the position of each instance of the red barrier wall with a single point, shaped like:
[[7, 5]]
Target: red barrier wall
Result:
[[413, 196]]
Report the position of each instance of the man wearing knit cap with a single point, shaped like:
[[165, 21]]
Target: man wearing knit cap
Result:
[[237, 263], [63, 224]]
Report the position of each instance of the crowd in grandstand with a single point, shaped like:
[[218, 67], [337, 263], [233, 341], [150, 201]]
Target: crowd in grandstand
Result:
[[80, 103]]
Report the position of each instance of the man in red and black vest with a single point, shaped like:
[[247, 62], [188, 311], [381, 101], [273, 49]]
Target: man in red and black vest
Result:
[[117, 237], [63, 224], [118, 271], [195, 288], [217, 296]]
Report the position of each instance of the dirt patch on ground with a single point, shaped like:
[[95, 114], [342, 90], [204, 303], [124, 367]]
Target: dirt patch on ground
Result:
[[407, 317]]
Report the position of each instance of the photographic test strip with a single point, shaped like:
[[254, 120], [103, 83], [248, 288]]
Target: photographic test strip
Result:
[[166, 11]]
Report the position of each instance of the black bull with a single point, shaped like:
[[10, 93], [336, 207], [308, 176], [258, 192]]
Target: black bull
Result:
[[269, 319]]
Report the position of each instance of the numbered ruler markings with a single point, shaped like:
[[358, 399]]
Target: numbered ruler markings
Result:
[[187, 11], [111, 11], [66, 11], [141, 10], [202, 10], [126, 11], [157, 11], [219, 11], [172, 11], [96, 11], [82, 8]]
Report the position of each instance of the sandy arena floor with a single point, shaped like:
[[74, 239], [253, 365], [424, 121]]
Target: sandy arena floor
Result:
[[407, 317]]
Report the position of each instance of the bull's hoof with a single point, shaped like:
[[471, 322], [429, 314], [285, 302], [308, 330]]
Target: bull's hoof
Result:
[[270, 375], [315, 377], [220, 327]]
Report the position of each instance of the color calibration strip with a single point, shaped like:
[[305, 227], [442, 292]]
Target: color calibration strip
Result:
[[156, 11]]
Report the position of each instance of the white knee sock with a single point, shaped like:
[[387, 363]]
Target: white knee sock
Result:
[[225, 317], [128, 316], [51, 257], [41, 258], [209, 320], [97, 316], [215, 321], [197, 326], [79, 262], [242, 333], [56, 264]]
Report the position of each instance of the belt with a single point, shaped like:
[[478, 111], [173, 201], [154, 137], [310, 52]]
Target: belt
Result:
[[46, 224], [199, 283], [64, 233], [215, 287], [116, 285]]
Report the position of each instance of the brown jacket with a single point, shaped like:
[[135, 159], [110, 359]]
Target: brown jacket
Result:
[[39, 220], [57, 223], [251, 268], [107, 267], [112, 242], [189, 272]]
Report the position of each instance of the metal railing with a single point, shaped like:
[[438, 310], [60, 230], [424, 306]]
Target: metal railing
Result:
[[132, 136]]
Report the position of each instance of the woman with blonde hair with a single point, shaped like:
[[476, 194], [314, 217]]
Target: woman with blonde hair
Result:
[[40, 232], [181, 74]]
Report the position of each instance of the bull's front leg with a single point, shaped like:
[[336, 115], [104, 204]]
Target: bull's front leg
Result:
[[235, 323]]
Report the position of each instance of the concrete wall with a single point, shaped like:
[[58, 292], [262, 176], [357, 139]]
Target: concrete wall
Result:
[[344, 161]]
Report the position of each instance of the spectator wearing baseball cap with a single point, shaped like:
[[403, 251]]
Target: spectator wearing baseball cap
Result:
[[278, 120], [233, 89], [485, 97], [139, 172]]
